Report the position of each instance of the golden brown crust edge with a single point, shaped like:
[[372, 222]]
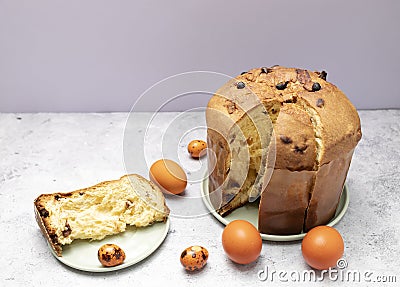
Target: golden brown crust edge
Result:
[[40, 215]]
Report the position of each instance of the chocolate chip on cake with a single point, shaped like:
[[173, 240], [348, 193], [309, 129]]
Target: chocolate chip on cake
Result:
[[264, 70], [282, 85], [320, 103], [285, 139], [240, 85], [316, 87], [242, 73]]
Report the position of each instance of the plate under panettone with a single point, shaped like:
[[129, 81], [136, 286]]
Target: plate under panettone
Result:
[[249, 212], [137, 243]]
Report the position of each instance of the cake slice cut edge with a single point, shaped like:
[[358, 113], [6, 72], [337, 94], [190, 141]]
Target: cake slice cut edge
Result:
[[94, 212]]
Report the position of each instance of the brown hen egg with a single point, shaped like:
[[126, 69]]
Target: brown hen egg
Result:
[[194, 258], [196, 148], [169, 176], [241, 242], [322, 247], [111, 255]]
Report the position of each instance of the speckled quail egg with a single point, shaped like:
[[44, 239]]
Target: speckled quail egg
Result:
[[111, 255], [196, 148], [194, 258]]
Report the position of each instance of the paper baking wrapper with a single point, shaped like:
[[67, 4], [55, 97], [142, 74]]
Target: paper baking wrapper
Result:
[[287, 206]]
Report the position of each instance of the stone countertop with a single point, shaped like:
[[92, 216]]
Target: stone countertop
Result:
[[45, 153]]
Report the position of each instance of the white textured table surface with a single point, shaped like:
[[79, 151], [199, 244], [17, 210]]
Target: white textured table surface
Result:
[[45, 153]]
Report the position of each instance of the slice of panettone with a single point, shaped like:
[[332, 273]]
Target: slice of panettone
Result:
[[103, 209]]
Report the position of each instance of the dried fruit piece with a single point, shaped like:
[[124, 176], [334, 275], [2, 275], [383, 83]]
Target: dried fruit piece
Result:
[[231, 107], [323, 75], [320, 103], [285, 139], [300, 149], [303, 76]]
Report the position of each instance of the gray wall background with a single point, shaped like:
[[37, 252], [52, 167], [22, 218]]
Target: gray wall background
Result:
[[97, 55]]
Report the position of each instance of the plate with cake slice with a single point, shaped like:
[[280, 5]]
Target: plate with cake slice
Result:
[[137, 242], [129, 213]]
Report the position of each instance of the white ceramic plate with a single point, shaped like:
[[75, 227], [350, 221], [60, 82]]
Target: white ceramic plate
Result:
[[138, 243], [249, 212]]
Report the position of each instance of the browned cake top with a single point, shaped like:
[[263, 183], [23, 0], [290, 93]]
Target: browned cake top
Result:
[[314, 122]]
